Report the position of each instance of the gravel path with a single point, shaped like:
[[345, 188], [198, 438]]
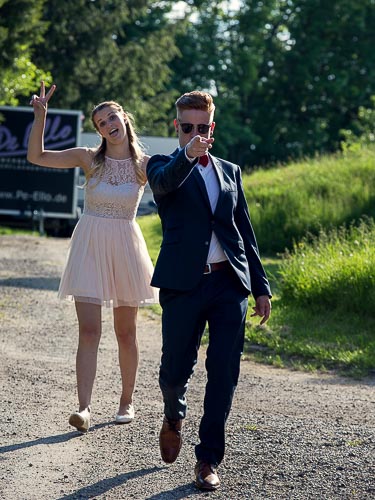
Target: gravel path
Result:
[[291, 435]]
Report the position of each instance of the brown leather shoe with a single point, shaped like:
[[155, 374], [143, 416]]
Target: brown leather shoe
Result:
[[170, 440], [206, 477]]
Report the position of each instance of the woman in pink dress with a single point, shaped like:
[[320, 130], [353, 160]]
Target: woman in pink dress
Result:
[[108, 263]]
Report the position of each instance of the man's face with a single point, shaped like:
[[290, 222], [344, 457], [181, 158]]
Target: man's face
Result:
[[194, 122]]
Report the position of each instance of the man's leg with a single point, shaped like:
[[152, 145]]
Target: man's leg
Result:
[[182, 328], [226, 317]]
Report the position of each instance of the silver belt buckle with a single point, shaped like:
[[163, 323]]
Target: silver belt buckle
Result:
[[209, 269]]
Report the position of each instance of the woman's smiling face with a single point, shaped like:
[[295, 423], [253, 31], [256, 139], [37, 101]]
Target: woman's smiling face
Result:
[[110, 123]]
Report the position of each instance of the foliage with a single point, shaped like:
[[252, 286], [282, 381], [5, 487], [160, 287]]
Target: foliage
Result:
[[105, 50], [299, 335], [363, 133], [324, 76], [323, 306], [304, 339], [4, 230], [151, 229], [19, 80], [288, 202], [20, 28], [288, 76]]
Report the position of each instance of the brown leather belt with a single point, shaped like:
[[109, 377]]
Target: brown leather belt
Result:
[[216, 266]]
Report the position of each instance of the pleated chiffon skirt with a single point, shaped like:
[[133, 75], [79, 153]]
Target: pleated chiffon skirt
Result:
[[108, 264]]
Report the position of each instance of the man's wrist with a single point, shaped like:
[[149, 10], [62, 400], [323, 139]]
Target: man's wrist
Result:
[[189, 158]]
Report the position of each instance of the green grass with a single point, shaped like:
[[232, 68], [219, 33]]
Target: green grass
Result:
[[335, 270], [151, 229], [297, 335], [289, 201], [9, 231], [323, 314], [304, 339]]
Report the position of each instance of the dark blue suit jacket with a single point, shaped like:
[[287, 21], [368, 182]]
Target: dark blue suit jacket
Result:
[[187, 224]]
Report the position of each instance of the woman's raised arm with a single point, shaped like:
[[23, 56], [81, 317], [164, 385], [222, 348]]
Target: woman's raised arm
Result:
[[68, 158]]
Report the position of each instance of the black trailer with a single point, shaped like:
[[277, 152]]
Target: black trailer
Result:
[[29, 192]]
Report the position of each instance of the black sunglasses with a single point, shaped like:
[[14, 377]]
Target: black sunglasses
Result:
[[202, 128]]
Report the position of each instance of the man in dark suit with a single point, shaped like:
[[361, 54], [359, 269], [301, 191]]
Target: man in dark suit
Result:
[[207, 266]]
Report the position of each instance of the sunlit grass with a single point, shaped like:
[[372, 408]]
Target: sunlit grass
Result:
[[151, 229], [335, 270], [11, 231], [289, 201], [314, 340], [323, 314]]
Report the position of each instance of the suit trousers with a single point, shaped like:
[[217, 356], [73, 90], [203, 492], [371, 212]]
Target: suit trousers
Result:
[[220, 301]]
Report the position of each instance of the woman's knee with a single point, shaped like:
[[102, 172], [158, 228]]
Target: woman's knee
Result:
[[89, 321], [89, 332], [126, 335]]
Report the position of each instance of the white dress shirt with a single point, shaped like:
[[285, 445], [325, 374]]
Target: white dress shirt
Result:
[[215, 252]]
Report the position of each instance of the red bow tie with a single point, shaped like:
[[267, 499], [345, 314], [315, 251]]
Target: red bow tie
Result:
[[203, 160]]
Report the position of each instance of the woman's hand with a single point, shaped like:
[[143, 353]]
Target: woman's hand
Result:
[[40, 102]]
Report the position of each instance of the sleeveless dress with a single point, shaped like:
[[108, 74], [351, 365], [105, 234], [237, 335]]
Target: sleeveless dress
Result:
[[108, 262]]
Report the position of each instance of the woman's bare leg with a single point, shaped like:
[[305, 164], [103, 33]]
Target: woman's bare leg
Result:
[[90, 329], [125, 320]]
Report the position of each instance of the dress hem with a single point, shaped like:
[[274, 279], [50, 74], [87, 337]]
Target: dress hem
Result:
[[110, 303]]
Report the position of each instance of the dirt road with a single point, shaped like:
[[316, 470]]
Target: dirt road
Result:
[[290, 435]]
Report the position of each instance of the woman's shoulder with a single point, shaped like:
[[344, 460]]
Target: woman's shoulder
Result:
[[145, 160], [90, 155], [144, 163], [91, 152], [86, 154], [83, 157]]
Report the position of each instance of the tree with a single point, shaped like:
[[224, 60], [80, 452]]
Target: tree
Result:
[[287, 75], [324, 77], [20, 27], [226, 52], [109, 49]]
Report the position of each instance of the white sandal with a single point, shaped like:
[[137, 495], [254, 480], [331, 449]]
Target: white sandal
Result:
[[127, 416], [81, 420]]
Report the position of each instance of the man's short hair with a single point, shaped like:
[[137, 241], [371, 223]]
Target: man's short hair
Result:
[[196, 100]]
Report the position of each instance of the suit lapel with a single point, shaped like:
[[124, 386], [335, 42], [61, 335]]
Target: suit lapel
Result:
[[219, 173], [202, 187]]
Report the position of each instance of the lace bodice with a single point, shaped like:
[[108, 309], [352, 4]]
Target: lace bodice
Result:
[[116, 194]]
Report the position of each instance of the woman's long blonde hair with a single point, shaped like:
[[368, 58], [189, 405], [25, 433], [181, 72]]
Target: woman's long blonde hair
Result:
[[135, 146]]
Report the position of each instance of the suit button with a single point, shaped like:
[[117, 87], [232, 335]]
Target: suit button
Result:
[[206, 243], [212, 223]]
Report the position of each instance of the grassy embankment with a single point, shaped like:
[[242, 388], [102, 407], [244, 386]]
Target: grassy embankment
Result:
[[322, 275]]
